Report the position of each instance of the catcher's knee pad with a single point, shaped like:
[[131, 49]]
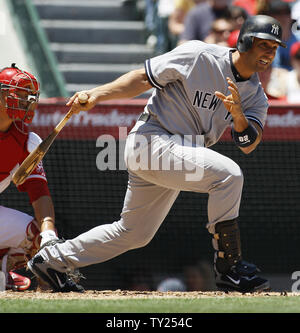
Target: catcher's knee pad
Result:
[[227, 243], [31, 242], [14, 258], [12, 261]]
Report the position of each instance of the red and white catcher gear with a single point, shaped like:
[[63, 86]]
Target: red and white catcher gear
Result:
[[11, 262], [31, 242], [17, 228], [17, 282], [20, 90], [12, 258], [16, 256]]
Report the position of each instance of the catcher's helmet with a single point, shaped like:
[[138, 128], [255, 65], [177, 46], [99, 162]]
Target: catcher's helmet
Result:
[[20, 89], [260, 26]]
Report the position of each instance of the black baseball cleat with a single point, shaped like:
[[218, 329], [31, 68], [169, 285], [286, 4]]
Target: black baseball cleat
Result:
[[242, 278], [59, 281]]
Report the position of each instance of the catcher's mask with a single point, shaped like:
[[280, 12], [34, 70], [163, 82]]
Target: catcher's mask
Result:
[[19, 93], [259, 26]]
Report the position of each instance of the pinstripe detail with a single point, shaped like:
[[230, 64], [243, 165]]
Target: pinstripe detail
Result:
[[256, 120], [150, 76]]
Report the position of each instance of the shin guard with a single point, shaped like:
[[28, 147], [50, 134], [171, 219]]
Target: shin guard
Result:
[[227, 243]]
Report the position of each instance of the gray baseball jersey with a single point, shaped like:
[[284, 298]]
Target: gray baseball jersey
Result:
[[186, 80]]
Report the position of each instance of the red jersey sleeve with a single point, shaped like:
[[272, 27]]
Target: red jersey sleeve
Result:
[[36, 184], [35, 188]]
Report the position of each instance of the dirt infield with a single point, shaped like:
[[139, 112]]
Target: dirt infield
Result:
[[124, 294]]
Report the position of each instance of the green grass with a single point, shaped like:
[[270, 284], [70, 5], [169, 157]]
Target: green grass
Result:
[[267, 304]]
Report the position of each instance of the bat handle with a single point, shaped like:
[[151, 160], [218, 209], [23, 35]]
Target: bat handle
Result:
[[64, 120]]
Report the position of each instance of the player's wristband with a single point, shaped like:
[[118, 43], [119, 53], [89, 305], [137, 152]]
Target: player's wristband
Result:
[[245, 138]]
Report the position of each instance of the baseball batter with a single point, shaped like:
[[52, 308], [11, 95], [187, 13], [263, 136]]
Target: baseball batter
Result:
[[200, 90]]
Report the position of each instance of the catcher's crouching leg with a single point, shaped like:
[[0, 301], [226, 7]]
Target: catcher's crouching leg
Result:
[[10, 262], [13, 259], [31, 242], [233, 273]]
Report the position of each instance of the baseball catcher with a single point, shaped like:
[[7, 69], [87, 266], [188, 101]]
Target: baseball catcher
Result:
[[20, 234]]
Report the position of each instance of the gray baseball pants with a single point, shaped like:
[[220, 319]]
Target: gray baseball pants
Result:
[[160, 166]]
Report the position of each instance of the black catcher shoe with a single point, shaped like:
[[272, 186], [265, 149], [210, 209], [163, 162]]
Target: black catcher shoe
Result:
[[242, 277], [60, 282]]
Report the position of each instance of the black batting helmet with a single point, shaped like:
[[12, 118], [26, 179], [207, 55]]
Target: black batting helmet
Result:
[[260, 26]]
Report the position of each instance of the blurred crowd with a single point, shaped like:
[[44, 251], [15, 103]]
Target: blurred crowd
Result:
[[198, 276], [172, 22]]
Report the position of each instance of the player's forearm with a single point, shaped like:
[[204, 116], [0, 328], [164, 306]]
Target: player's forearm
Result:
[[44, 213], [240, 124], [128, 85], [248, 150]]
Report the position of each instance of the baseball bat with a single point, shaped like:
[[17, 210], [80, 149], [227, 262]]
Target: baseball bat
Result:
[[34, 158]]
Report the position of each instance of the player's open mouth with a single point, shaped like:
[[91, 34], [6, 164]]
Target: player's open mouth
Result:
[[264, 62]]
